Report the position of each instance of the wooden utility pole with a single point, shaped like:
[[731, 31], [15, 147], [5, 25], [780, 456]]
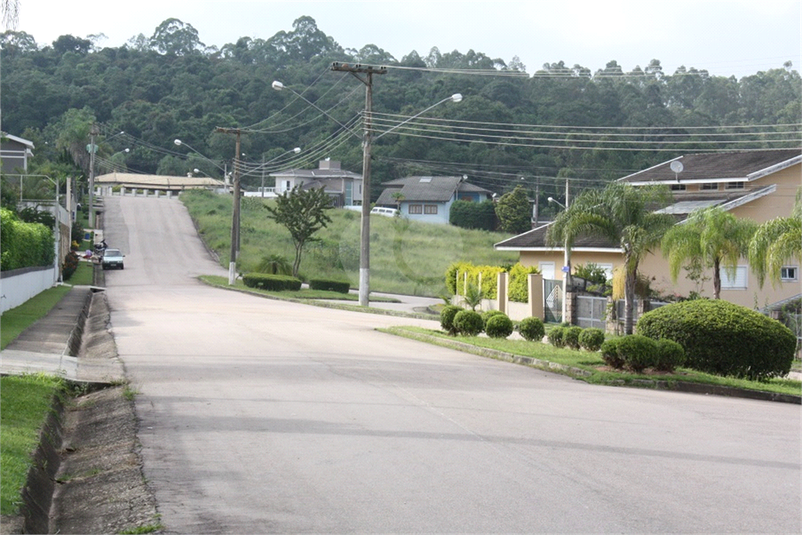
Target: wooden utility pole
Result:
[[364, 249], [93, 131], [235, 218]]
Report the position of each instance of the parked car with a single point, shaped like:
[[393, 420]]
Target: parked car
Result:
[[381, 210], [112, 258]]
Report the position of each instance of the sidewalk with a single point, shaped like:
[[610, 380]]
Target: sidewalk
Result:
[[52, 345]]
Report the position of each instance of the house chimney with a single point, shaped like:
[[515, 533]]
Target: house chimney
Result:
[[330, 165]]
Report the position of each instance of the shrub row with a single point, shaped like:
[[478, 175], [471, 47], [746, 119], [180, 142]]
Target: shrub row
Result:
[[574, 337], [342, 287], [637, 352], [24, 244], [457, 320], [273, 283]]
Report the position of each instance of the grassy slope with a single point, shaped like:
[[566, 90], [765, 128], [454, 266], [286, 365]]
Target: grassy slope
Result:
[[405, 257], [25, 403]]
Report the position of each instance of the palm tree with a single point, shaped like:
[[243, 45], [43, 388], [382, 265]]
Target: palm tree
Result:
[[623, 214], [711, 237], [775, 242]]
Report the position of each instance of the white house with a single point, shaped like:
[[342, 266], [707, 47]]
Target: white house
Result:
[[344, 187], [429, 198]]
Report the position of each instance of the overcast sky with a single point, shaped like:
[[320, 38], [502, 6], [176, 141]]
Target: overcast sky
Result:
[[733, 37]]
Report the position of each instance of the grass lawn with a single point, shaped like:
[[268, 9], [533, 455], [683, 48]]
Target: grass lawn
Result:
[[26, 401], [589, 366]]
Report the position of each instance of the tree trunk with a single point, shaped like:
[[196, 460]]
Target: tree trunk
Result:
[[716, 278], [629, 301], [297, 264]]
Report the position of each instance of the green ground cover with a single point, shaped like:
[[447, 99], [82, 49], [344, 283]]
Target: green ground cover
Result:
[[406, 257], [594, 369], [26, 402]]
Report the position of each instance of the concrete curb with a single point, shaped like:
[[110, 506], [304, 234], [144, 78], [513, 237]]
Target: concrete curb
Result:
[[578, 373]]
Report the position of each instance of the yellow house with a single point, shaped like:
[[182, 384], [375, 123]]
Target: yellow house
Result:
[[759, 185]]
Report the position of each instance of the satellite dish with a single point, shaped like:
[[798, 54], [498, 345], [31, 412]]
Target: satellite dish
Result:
[[677, 167]]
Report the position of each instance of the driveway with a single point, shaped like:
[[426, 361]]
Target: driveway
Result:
[[262, 416]]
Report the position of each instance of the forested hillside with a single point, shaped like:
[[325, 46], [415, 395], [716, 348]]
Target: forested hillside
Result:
[[512, 127]]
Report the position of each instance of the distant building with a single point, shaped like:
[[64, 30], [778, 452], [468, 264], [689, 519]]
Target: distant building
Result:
[[429, 198], [344, 187], [15, 153]]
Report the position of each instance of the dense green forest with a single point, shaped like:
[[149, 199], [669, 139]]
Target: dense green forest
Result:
[[512, 126]]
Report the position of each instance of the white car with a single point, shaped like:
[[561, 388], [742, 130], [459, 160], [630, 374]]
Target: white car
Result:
[[381, 210], [112, 258]]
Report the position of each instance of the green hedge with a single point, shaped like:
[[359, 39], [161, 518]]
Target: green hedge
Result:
[[724, 338], [468, 323], [24, 244], [273, 283], [499, 326], [518, 278], [447, 318], [532, 329], [342, 287]]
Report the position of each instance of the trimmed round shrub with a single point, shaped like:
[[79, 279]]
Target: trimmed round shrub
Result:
[[489, 314], [638, 352], [723, 338], [468, 323], [532, 329], [556, 336], [447, 318], [499, 326], [610, 355], [571, 336], [670, 355], [591, 339]]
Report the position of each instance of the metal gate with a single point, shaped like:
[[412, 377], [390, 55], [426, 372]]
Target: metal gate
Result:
[[553, 300], [591, 311]]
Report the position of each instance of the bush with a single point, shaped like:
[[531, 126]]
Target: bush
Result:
[[468, 323], [610, 355], [273, 283], [591, 339], [723, 338], [70, 265], [342, 287], [489, 314], [556, 336], [638, 352], [499, 326], [571, 336], [670, 355], [532, 329], [447, 318]]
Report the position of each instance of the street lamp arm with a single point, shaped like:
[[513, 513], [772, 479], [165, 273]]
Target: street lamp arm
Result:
[[456, 97], [278, 86], [264, 165], [180, 143]]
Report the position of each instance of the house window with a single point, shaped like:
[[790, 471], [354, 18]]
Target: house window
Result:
[[735, 185], [709, 186], [415, 208], [734, 283], [430, 209], [678, 187], [789, 274], [547, 269]]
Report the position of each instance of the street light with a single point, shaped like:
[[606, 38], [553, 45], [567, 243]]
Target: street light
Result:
[[566, 265], [262, 166], [180, 143], [456, 97], [278, 86]]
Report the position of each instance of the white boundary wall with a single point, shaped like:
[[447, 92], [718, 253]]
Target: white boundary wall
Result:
[[19, 285]]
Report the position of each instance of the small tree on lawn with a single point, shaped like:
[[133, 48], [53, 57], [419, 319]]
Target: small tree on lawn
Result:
[[302, 212], [514, 212]]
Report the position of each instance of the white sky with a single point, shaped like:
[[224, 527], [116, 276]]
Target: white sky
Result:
[[726, 37]]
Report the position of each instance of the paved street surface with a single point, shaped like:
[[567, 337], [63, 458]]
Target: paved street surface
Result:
[[264, 416]]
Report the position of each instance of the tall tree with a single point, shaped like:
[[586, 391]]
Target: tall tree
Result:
[[302, 212], [775, 242], [513, 211], [712, 237], [622, 214]]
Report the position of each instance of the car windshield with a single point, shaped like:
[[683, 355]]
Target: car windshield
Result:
[[113, 252]]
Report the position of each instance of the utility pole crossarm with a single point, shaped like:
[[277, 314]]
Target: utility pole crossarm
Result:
[[357, 68]]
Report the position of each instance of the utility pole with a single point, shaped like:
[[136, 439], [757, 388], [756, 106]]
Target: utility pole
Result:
[[232, 263], [364, 248], [567, 267], [93, 131]]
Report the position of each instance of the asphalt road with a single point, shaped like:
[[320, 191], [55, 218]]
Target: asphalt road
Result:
[[264, 416]]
